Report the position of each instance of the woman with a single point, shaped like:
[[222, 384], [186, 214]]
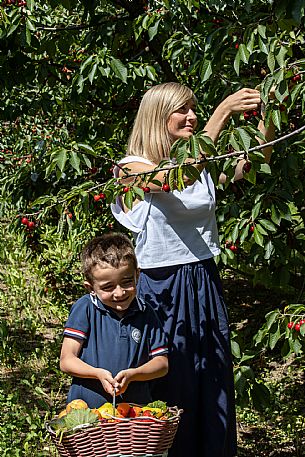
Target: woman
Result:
[[176, 239]]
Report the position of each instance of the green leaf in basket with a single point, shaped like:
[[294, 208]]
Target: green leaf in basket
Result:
[[158, 404], [79, 417]]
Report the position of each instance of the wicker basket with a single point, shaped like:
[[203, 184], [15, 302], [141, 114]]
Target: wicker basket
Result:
[[139, 436]]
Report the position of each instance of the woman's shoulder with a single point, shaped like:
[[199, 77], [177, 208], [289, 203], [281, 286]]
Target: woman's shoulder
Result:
[[132, 158]]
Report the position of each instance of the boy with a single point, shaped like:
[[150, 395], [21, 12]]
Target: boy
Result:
[[112, 340]]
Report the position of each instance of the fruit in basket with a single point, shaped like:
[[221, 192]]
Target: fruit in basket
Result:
[[96, 412], [107, 410], [62, 413], [123, 409], [154, 412], [76, 404], [135, 411]]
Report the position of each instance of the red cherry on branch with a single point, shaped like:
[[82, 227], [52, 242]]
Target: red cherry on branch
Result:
[[233, 248], [31, 225], [102, 196], [297, 327], [146, 189], [126, 189], [24, 221], [166, 188], [290, 325], [247, 167], [96, 197]]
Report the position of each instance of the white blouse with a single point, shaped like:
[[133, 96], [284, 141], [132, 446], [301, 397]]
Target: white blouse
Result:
[[172, 228]]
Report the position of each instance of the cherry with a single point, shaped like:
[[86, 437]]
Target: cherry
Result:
[[31, 225], [166, 188], [236, 45], [146, 189], [296, 78], [24, 221], [302, 322], [297, 327], [255, 113], [102, 196], [252, 228], [247, 167], [70, 215], [126, 189], [233, 248], [96, 197], [247, 115], [290, 325]]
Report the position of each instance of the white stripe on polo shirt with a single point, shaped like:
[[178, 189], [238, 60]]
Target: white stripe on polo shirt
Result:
[[75, 333], [158, 351]]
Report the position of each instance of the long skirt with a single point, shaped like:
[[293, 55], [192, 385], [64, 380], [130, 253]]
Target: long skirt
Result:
[[189, 301]]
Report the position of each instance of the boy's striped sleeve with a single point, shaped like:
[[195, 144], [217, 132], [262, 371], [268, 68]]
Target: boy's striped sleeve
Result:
[[158, 351], [75, 333]]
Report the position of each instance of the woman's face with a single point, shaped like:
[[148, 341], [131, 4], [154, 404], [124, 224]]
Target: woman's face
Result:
[[183, 121]]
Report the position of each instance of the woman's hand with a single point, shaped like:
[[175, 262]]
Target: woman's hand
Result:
[[242, 100]]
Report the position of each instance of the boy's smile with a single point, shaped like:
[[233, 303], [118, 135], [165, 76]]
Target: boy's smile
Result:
[[115, 287]]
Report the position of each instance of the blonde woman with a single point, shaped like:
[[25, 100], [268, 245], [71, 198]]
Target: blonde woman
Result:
[[175, 241]]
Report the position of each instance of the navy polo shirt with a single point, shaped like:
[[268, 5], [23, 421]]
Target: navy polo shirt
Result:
[[114, 343]]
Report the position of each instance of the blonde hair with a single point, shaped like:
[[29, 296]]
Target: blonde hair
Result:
[[150, 137]]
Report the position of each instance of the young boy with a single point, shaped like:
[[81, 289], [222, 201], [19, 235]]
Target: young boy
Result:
[[112, 340]]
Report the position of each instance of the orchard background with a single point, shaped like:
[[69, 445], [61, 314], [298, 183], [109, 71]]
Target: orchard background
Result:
[[72, 74]]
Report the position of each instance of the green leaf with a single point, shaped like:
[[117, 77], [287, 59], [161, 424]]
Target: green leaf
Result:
[[138, 191], [276, 118], [235, 348], [128, 199], [192, 172], [244, 138], [30, 25], [152, 31], [194, 147], [235, 233], [269, 250], [271, 61], [261, 229], [86, 147], [268, 225], [280, 57], [237, 63], [92, 73], [61, 159], [255, 210], [274, 335], [74, 160], [206, 70], [119, 69], [262, 46], [244, 53], [265, 168], [259, 239], [262, 30]]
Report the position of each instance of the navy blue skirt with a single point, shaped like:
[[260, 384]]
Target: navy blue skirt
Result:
[[189, 301]]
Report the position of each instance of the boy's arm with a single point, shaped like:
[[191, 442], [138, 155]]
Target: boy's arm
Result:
[[154, 368], [71, 364]]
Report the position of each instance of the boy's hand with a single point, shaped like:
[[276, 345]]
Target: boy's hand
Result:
[[106, 379], [122, 380]]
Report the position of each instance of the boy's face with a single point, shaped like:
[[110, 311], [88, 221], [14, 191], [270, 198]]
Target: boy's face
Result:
[[115, 287]]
